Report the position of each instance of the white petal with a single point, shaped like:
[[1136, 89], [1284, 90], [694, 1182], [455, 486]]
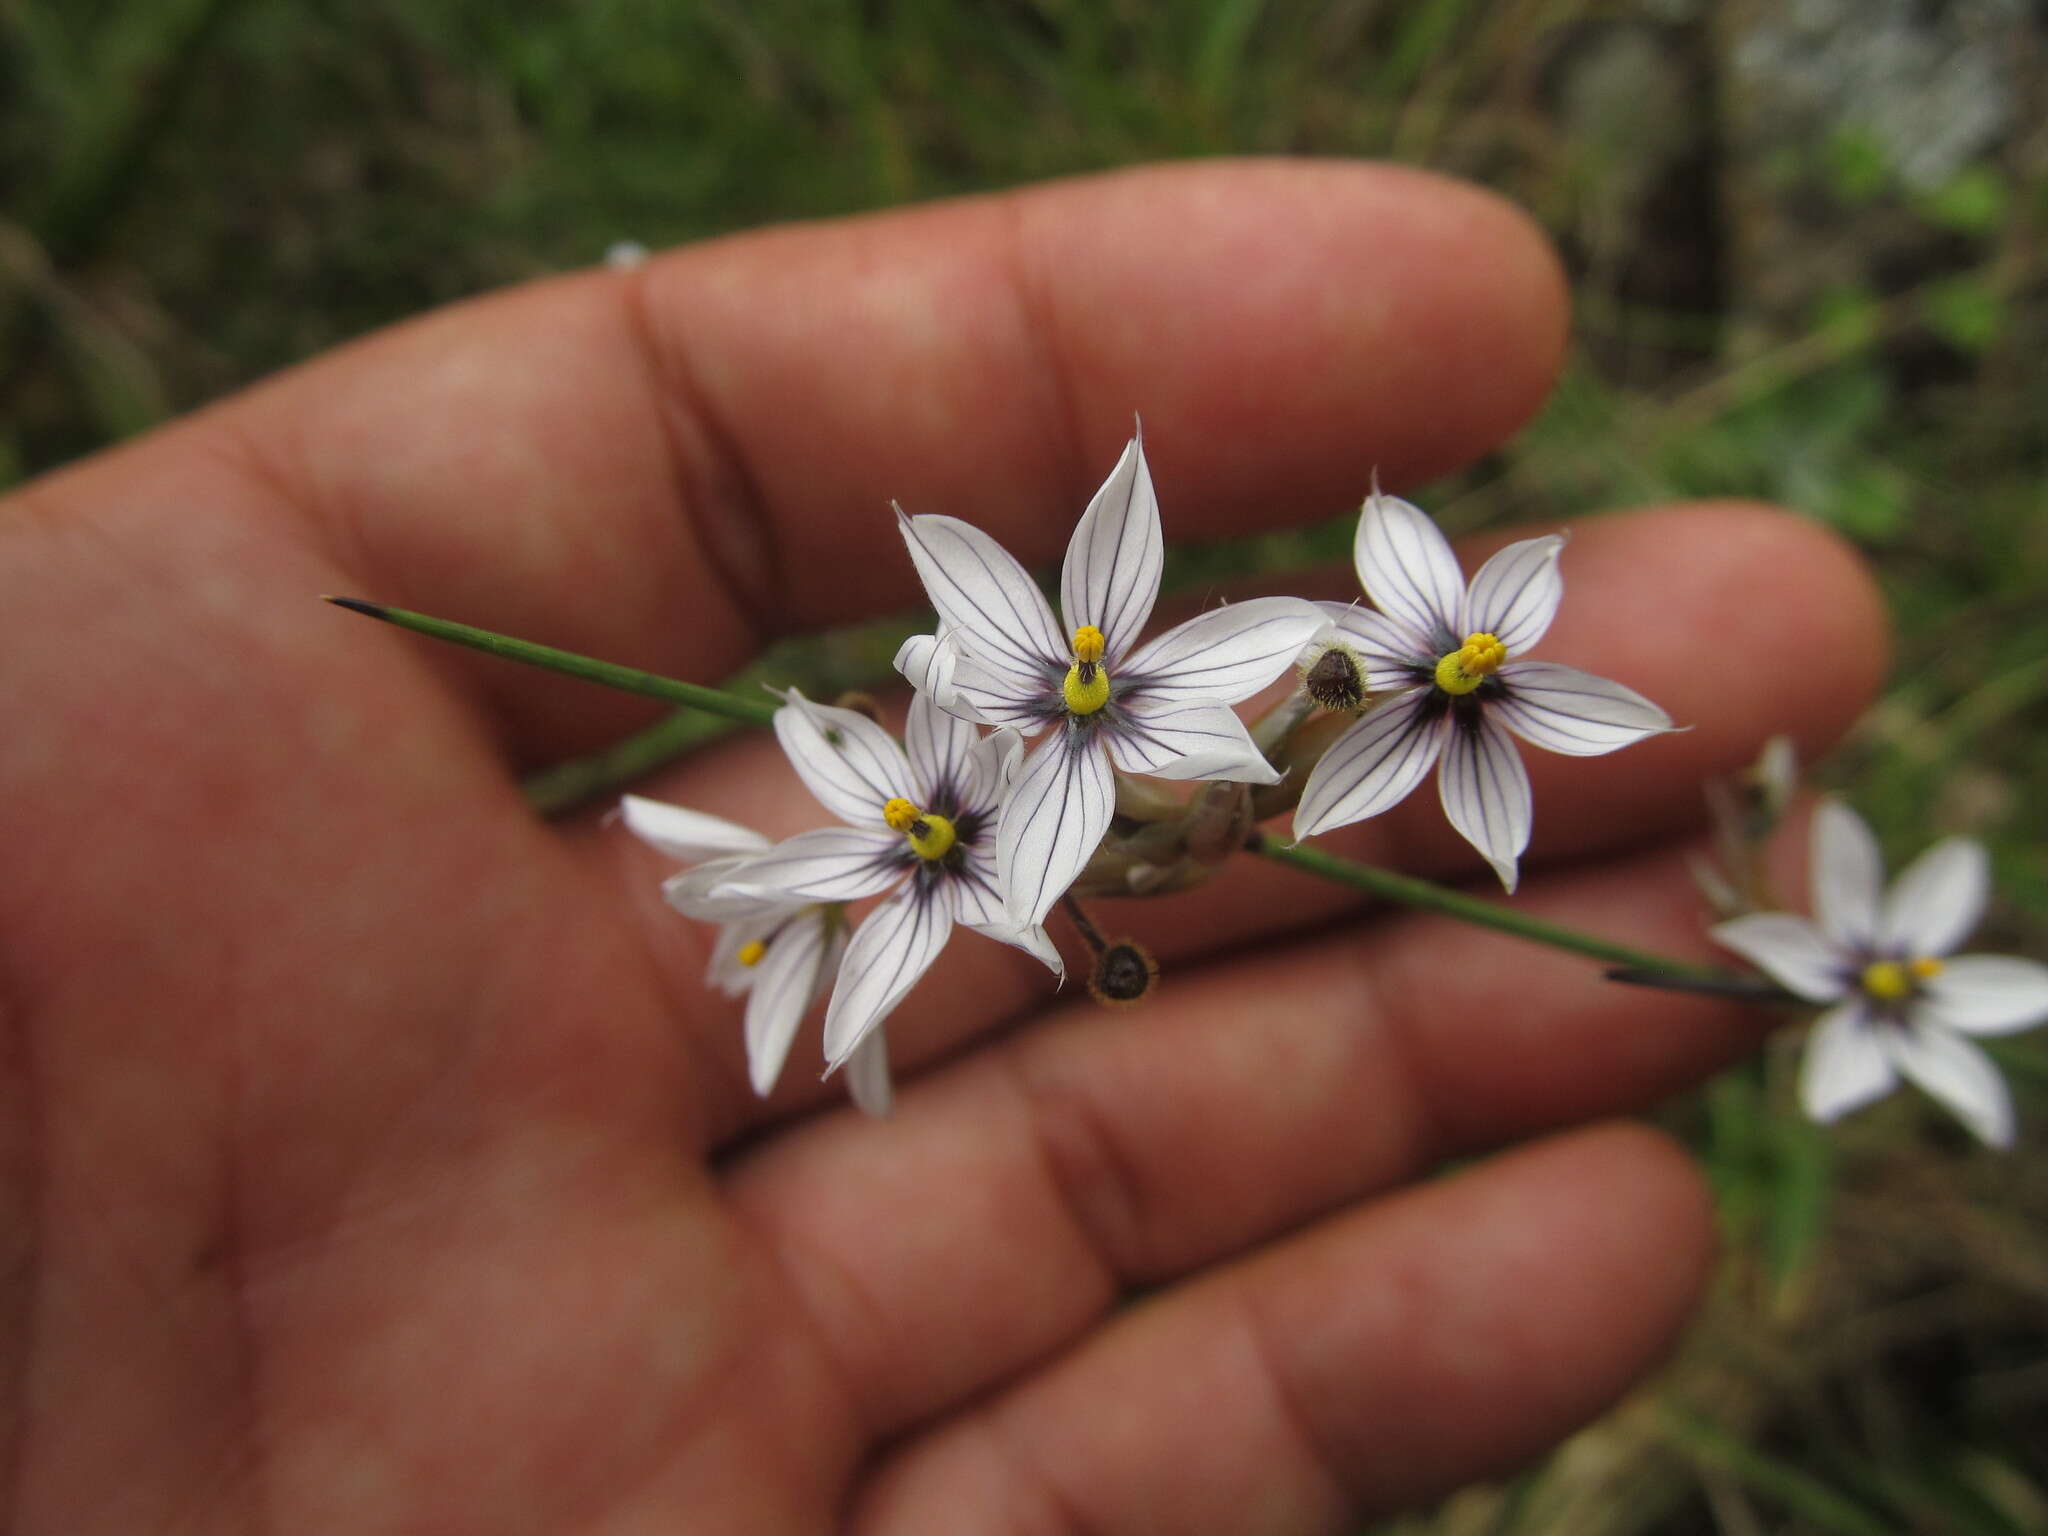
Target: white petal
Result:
[[991, 769], [1989, 994], [1186, 741], [1052, 823], [1373, 766], [1847, 876], [995, 697], [1515, 594], [1938, 898], [1960, 1075], [851, 764], [976, 894], [1111, 576], [940, 747], [1406, 567], [725, 971], [891, 949], [982, 594], [1562, 709], [867, 1075], [699, 892], [826, 864], [686, 836], [1845, 1066], [1485, 792], [1035, 942], [1390, 651], [791, 975], [926, 662], [1221, 656], [1792, 952]]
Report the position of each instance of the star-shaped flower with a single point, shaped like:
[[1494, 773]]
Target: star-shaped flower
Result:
[[1161, 708], [779, 954], [919, 824], [1899, 1004], [1446, 662]]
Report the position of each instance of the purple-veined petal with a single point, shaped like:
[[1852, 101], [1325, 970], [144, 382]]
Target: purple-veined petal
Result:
[[982, 594], [1034, 941], [1562, 709], [1845, 1066], [791, 975], [991, 768], [939, 746], [1221, 656], [687, 836], [1514, 596], [894, 946], [1988, 994], [1406, 567], [824, 864], [848, 762], [1186, 741], [1485, 792], [991, 696], [1937, 899], [926, 662], [1052, 823], [1372, 767], [1846, 873], [867, 1075], [1960, 1075], [976, 894], [1111, 575], [1390, 652], [1792, 952]]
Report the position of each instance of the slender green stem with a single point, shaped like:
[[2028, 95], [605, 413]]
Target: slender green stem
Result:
[[1487, 914], [629, 679], [1635, 965]]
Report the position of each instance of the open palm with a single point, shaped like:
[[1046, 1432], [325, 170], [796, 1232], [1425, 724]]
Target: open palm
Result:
[[374, 1159]]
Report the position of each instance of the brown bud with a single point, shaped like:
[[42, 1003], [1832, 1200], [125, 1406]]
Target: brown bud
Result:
[[1124, 972]]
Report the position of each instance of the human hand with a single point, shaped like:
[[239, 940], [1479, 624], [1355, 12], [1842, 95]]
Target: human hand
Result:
[[375, 1160]]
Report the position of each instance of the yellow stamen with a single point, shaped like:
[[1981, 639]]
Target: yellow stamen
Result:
[[1925, 968], [1471, 664], [930, 834], [751, 952], [1887, 980], [1087, 686]]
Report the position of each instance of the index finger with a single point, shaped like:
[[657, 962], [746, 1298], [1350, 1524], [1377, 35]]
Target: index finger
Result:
[[667, 466]]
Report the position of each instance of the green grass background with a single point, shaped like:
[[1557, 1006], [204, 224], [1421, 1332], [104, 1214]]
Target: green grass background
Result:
[[194, 192]]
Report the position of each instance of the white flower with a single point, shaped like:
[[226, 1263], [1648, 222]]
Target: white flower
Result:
[[779, 954], [1162, 708], [1899, 1004], [920, 823], [1445, 660]]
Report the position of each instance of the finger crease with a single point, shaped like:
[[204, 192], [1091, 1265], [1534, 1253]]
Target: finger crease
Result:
[[1292, 1414], [1038, 320], [742, 551], [1085, 1167]]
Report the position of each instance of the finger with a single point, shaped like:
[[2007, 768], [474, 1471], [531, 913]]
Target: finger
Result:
[[1697, 606], [1379, 1359], [665, 466], [1102, 1152]]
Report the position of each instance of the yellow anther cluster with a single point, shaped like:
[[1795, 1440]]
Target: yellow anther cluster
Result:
[[751, 952], [1890, 980], [1087, 685], [930, 835], [1925, 968], [1471, 664]]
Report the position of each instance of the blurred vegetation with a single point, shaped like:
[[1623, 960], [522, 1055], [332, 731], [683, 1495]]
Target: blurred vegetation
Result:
[[199, 191]]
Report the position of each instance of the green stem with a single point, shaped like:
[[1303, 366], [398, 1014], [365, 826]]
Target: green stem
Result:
[[1486, 914], [1641, 966], [629, 679]]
